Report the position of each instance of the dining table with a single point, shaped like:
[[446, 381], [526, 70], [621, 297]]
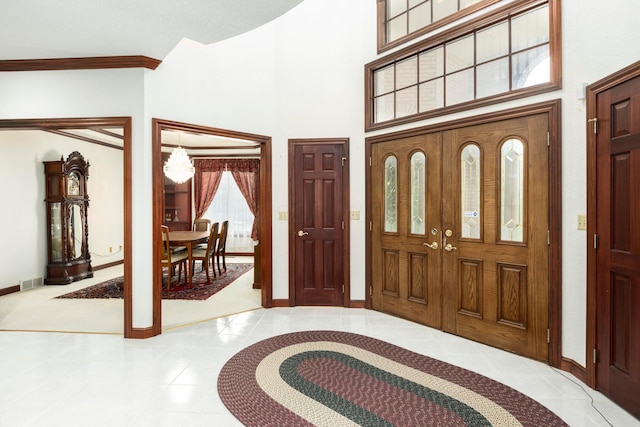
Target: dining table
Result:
[[188, 239]]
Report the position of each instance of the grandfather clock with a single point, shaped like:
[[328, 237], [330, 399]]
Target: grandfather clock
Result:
[[67, 202]]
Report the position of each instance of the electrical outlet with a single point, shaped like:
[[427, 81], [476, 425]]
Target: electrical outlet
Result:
[[355, 215], [110, 249], [283, 215], [582, 222]]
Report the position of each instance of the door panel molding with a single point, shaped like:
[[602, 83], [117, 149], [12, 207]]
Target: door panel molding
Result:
[[553, 111]]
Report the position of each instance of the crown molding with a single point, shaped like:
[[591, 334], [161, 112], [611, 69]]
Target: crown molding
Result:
[[88, 63]]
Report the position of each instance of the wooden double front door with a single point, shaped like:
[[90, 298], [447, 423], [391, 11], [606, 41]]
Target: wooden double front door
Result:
[[460, 232]]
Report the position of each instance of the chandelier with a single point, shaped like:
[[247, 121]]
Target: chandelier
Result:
[[179, 168]]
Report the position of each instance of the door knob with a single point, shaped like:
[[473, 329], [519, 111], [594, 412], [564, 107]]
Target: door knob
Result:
[[449, 247], [302, 233], [433, 245]]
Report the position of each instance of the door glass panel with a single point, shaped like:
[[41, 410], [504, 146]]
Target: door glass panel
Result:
[[511, 190], [418, 178], [470, 191], [391, 194]]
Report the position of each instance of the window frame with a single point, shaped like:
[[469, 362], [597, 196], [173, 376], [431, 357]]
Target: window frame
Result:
[[383, 45], [468, 28]]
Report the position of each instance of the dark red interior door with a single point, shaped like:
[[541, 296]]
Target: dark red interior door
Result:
[[318, 222], [618, 252]]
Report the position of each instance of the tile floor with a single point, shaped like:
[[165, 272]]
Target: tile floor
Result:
[[78, 379]]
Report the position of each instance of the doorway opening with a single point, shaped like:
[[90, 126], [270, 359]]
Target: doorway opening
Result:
[[161, 131]]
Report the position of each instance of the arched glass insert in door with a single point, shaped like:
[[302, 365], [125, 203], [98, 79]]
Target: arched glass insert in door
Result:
[[512, 161], [470, 169], [391, 194], [418, 182]]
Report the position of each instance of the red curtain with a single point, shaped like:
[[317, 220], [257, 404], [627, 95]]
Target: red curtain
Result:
[[249, 185], [246, 173], [206, 182]]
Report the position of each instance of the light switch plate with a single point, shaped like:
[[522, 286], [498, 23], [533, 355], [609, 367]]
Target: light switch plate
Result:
[[582, 222]]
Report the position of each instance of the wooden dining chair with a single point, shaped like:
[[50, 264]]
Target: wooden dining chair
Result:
[[222, 246], [201, 224], [206, 255], [170, 260]]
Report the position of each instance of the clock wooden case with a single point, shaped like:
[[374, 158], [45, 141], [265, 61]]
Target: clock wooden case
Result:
[[67, 202]]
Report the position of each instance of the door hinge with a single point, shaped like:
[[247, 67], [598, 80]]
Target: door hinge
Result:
[[343, 288], [595, 355], [596, 241], [370, 225], [343, 225], [548, 237], [344, 159], [548, 138], [548, 336], [595, 124], [370, 161], [370, 290]]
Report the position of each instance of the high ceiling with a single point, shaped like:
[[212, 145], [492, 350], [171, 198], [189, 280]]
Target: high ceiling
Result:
[[42, 29], [39, 29]]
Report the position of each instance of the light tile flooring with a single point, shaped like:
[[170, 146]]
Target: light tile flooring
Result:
[[74, 378], [78, 379]]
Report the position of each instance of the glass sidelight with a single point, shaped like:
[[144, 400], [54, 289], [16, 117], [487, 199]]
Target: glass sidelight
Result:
[[511, 191], [418, 183], [470, 179], [391, 194]]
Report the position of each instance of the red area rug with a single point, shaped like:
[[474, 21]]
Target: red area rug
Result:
[[334, 378], [201, 290]]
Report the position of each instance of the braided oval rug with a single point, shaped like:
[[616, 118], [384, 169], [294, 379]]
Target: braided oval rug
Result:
[[329, 378]]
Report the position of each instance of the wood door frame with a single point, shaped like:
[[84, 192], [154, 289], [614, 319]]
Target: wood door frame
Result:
[[346, 302], [101, 122], [264, 208], [553, 110], [592, 91]]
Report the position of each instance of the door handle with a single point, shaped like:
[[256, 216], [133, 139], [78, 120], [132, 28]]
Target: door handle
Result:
[[302, 233], [449, 247], [433, 245]]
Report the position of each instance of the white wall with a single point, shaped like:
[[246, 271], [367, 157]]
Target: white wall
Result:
[[300, 76], [24, 212], [97, 93]]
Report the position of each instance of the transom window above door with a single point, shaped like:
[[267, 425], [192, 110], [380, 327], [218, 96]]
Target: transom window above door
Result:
[[515, 54], [402, 20]]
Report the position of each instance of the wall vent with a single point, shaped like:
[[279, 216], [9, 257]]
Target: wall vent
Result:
[[31, 283]]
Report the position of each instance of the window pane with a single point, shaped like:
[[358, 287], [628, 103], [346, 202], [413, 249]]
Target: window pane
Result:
[[470, 191], [383, 80], [431, 64], [511, 190], [459, 54], [531, 67], [460, 87], [492, 42], [390, 194], [407, 102], [492, 78], [407, 73], [397, 28], [432, 95], [229, 204], [420, 17], [444, 8], [418, 177], [414, 3], [395, 7], [384, 108], [530, 29]]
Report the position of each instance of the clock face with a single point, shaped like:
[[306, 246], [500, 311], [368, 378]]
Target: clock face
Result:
[[73, 184]]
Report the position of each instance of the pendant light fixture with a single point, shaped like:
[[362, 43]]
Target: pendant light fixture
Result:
[[179, 168]]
